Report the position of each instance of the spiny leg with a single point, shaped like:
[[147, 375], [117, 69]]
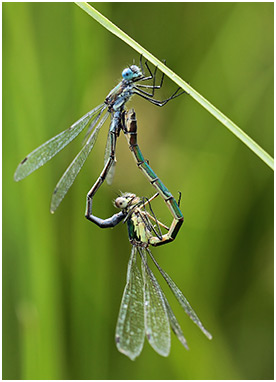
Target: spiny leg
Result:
[[140, 206], [130, 130], [155, 101], [153, 86], [152, 216], [140, 209], [152, 76], [149, 95]]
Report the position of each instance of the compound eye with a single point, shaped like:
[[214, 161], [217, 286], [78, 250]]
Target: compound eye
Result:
[[136, 71], [121, 202], [127, 74]]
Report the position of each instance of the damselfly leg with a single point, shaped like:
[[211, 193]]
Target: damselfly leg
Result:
[[152, 76]]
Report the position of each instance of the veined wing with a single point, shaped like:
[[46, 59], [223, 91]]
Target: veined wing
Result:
[[93, 123], [72, 171], [181, 298], [174, 323], [107, 153], [49, 149], [130, 329], [172, 319], [156, 316]]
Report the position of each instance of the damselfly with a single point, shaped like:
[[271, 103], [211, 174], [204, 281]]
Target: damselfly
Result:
[[145, 310], [130, 131], [114, 105]]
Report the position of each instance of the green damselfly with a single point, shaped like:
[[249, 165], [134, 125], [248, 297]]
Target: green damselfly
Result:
[[145, 310], [114, 105]]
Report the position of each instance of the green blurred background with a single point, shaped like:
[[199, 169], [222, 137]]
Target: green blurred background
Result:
[[63, 277]]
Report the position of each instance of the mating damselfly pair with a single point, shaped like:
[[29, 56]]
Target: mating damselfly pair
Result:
[[144, 308]]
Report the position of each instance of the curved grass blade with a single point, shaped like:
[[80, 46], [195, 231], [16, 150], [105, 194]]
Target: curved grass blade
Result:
[[156, 316], [130, 329], [49, 149], [72, 171], [181, 298], [249, 142]]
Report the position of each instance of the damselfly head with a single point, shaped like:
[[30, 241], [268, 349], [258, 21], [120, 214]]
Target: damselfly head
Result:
[[131, 73], [127, 199]]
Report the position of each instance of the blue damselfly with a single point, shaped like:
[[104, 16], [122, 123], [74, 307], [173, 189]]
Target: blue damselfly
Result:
[[114, 105]]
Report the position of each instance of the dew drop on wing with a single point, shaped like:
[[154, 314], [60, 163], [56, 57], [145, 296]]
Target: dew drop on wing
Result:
[[117, 339]]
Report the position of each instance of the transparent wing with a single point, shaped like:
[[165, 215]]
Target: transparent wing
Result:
[[93, 122], [49, 149], [72, 171], [174, 323], [181, 298], [130, 329], [107, 153], [156, 316]]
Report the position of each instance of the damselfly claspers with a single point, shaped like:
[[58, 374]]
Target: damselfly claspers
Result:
[[114, 105], [145, 310]]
